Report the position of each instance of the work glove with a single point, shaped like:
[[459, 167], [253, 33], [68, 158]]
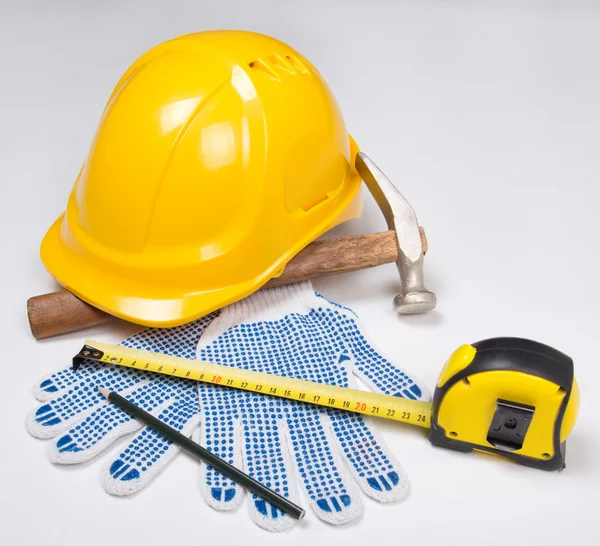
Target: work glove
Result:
[[288, 331], [83, 424], [293, 332]]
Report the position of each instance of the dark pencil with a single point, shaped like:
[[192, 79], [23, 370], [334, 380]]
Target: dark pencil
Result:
[[217, 463]]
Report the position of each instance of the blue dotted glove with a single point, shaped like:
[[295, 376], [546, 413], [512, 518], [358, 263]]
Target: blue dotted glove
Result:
[[83, 424], [291, 331]]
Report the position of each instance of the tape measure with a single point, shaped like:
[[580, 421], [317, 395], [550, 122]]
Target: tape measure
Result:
[[509, 396], [368, 403]]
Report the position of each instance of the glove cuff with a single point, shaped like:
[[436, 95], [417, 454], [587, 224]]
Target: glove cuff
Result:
[[272, 304]]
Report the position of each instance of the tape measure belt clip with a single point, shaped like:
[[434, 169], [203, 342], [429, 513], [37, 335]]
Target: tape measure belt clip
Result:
[[510, 424]]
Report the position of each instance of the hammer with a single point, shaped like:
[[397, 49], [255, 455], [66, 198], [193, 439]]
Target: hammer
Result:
[[414, 298], [405, 243]]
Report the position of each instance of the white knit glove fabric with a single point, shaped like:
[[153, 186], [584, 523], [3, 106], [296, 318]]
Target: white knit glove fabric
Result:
[[289, 331]]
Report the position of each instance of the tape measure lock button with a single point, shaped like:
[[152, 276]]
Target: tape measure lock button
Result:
[[460, 359]]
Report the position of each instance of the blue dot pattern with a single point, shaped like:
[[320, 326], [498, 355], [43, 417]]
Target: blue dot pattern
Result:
[[376, 369], [321, 345], [64, 379], [148, 447], [81, 397], [94, 423], [318, 346]]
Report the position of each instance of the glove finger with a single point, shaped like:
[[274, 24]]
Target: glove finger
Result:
[[375, 369], [267, 458], [380, 375], [52, 385], [219, 434], [92, 435], [77, 403], [149, 453], [102, 427], [374, 468], [326, 481]]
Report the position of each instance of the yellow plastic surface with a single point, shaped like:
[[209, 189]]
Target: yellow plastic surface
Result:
[[570, 413], [467, 408], [458, 361], [219, 156]]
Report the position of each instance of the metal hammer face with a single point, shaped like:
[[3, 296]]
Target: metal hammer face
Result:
[[414, 298]]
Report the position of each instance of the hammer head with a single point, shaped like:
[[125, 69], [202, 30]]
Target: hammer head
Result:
[[414, 303], [414, 298]]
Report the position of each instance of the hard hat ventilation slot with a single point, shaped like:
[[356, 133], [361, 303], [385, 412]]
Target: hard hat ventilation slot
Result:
[[263, 68], [288, 63], [297, 64], [274, 63]]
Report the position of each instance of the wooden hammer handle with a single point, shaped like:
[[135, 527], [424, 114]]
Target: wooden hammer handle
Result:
[[61, 312]]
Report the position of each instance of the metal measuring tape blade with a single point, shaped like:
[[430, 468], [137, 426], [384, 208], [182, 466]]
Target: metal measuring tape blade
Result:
[[513, 397], [368, 403]]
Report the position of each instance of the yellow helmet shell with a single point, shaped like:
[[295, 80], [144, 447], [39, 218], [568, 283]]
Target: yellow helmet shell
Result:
[[219, 156]]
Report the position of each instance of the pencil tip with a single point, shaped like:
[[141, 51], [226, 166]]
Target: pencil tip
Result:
[[104, 392]]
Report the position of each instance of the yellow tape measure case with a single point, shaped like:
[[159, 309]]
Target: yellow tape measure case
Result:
[[513, 397]]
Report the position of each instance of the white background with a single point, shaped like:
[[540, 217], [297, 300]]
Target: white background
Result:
[[485, 114]]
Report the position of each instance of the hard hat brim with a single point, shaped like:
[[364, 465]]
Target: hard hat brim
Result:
[[129, 296]]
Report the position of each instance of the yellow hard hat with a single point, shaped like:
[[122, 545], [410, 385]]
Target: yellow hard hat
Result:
[[219, 156]]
